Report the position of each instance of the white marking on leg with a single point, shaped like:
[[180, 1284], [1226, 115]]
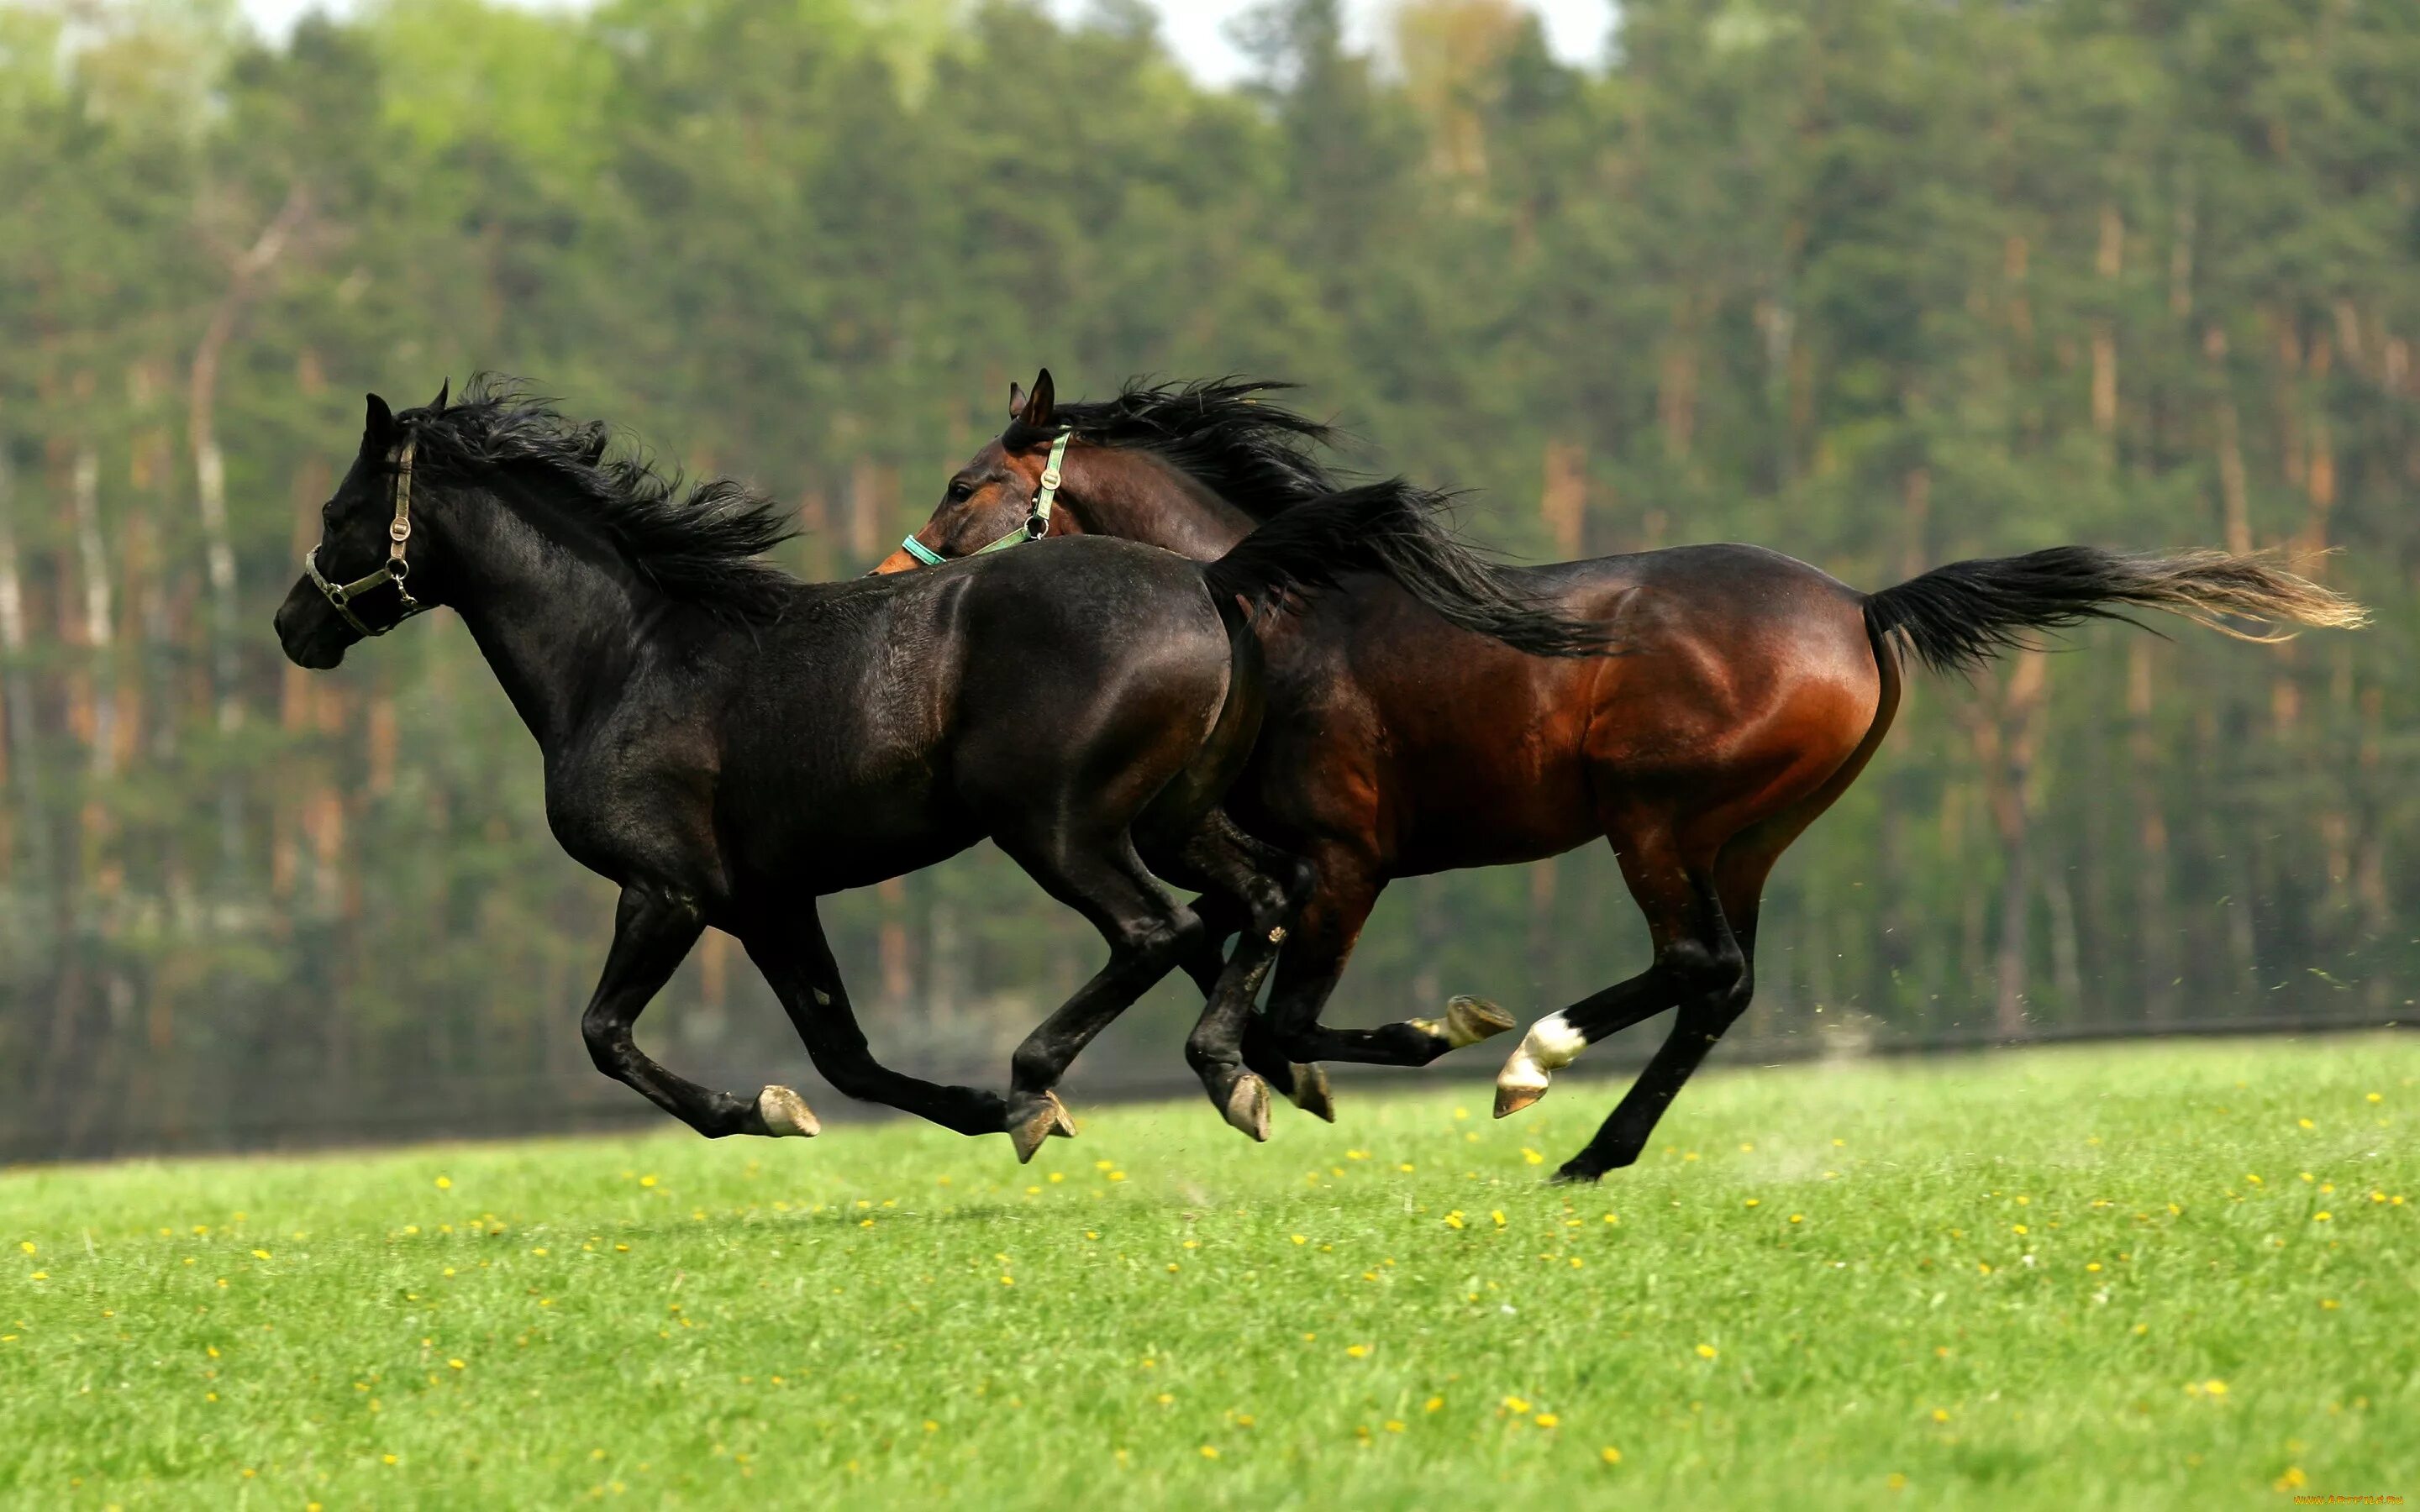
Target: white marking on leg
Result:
[[1550, 1045]]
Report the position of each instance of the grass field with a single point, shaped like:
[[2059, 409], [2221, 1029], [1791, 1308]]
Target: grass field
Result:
[[2176, 1275]]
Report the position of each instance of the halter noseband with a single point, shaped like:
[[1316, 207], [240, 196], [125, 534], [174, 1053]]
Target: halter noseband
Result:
[[1037, 521], [394, 569]]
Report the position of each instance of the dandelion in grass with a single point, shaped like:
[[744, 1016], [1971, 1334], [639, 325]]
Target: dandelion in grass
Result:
[[1707, 1351], [1610, 1455]]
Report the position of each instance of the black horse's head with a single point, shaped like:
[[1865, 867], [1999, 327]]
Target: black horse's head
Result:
[[371, 570]]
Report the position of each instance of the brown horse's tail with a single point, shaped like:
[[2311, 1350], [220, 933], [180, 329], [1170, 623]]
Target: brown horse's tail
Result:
[[1397, 530], [1961, 616]]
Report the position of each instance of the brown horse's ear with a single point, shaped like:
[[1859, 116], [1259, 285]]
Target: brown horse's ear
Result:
[[1039, 405], [1015, 399], [437, 405], [378, 422]]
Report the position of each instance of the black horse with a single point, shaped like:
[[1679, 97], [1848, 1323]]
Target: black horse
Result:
[[728, 744]]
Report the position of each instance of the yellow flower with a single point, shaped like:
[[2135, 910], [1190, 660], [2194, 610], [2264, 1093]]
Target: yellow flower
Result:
[[2018, 1228], [1393, 1426], [2216, 1388], [1433, 1404], [1941, 1414], [2328, 1304], [2305, 1122], [1610, 1455], [1798, 1217], [25, 1245], [1752, 1202], [1532, 1156], [646, 1181], [1453, 1219], [260, 1255], [2322, 1217], [1298, 1238], [1706, 1351], [1515, 1404], [1897, 1482], [1356, 1351], [931, 1426], [1164, 1398], [1209, 1452], [2293, 1479], [1549, 1420], [1499, 1215], [2375, 1098], [389, 1458], [444, 1184]]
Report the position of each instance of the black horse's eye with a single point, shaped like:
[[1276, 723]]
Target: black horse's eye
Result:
[[959, 493]]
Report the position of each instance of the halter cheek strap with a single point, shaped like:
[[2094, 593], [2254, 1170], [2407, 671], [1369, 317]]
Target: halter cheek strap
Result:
[[1037, 520], [394, 569]]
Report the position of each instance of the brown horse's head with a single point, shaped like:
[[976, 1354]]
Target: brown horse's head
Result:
[[991, 498]]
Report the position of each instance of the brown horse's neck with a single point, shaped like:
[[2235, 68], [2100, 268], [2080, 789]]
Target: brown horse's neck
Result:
[[1139, 497]]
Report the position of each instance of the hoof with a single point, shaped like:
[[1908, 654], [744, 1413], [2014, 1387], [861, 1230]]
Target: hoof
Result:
[[1511, 1097], [1063, 1125], [1574, 1174], [1310, 1092], [784, 1112], [1248, 1106], [1037, 1125], [1467, 1020]]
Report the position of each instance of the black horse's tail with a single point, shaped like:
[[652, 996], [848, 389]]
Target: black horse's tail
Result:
[[1398, 530], [1958, 617]]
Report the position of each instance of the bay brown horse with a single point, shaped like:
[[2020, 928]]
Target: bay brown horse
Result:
[[1748, 691], [728, 744]]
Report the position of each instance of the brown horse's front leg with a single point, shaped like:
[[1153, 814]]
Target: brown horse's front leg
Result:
[[654, 927], [1345, 889]]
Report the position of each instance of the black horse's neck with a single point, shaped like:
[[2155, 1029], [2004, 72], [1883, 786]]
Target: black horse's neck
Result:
[[1143, 498], [558, 611]]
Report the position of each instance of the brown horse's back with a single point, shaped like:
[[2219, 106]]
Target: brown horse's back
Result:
[[1741, 667]]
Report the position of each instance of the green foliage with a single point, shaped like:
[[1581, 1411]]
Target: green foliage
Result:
[[2146, 1277], [1879, 284]]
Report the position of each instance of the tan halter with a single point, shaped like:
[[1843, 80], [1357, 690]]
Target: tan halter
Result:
[[394, 570]]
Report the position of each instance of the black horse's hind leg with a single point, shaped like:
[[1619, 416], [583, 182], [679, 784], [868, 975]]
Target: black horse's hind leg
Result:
[[1148, 933], [1225, 916], [653, 930], [1271, 884], [797, 961]]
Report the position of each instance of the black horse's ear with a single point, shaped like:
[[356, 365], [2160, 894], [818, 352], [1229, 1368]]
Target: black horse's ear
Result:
[[380, 421], [437, 405], [1038, 405], [1015, 399]]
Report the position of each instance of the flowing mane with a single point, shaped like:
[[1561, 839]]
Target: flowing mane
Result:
[[698, 543], [1262, 458]]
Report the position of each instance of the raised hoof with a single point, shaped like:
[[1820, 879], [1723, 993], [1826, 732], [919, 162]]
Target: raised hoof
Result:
[[1063, 1124], [785, 1113], [1248, 1106], [1470, 1019], [1511, 1097], [1467, 1020], [1310, 1092], [1038, 1125]]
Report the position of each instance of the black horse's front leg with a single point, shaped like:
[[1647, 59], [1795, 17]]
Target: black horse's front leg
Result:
[[654, 927], [797, 961]]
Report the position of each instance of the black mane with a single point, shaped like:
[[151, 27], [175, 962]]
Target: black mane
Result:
[[1262, 458], [699, 544]]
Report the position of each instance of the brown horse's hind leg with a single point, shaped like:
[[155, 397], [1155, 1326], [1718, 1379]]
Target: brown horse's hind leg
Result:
[[1735, 902]]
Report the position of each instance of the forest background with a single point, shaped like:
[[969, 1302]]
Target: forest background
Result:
[[1877, 282]]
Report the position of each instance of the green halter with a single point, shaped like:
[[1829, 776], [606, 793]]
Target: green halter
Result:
[[1037, 523]]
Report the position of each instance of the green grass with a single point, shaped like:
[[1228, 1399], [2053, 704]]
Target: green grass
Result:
[[2043, 1280]]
